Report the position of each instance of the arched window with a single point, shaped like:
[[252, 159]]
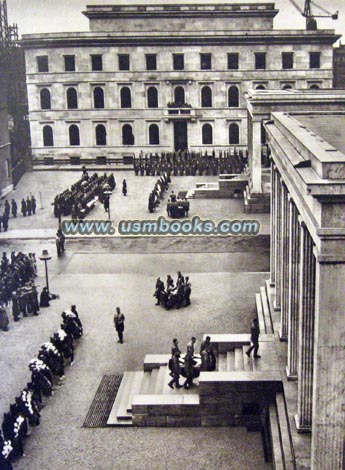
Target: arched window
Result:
[[207, 134], [287, 87], [260, 87], [179, 97], [48, 137], [98, 97], [233, 97], [101, 135], [234, 133], [126, 100], [154, 134], [152, 97], [45, 98], [127, 135], [72, 98], [74, 138], [206, 97], [314, 87]]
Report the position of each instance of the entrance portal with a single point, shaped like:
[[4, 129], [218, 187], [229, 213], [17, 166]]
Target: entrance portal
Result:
[[180, 135]]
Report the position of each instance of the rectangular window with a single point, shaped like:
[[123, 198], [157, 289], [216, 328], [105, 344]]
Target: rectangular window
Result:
[[233, 61], [287, 60], [123, 61], [42, 63], [69, 63], [151, 61], [205, 61], [178, 61], [260, 60], [96, 62], [314, 60]]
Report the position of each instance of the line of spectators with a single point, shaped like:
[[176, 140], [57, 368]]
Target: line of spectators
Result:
[[159, 189], [81, 198], [46, 371], [191, 163]]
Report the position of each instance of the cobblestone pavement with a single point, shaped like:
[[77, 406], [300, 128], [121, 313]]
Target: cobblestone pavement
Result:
[[97, 276]]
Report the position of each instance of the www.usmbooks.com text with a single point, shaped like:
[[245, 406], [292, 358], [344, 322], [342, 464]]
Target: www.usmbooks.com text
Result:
[[162, 226]]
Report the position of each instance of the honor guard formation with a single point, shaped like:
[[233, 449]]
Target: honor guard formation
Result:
[[28, 207], [47, 372], [174, 295], [157, 195]]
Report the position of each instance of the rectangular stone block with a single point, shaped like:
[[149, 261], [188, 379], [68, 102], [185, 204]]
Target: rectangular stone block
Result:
[[159, 421], [215, 420], [180, 421]]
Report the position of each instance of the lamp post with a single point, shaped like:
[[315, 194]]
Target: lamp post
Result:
[[107, 193], [45, 256]]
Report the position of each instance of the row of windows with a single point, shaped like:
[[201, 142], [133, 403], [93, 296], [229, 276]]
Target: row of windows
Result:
[[126, 97], [178, 61], [128, 136]]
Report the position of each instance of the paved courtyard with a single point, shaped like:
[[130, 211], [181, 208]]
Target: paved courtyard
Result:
[[98, 275]]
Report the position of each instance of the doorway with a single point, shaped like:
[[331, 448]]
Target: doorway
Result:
[[180, 135]]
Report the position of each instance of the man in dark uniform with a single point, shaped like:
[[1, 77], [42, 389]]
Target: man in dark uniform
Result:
[[14, 208], [254, 337], [33, 204], [119, 322]]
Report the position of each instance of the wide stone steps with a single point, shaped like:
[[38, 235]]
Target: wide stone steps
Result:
[[263, 311], [282, 449], [238, 361]]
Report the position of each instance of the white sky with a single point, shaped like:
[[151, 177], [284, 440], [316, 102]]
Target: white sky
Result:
[[43, 16]]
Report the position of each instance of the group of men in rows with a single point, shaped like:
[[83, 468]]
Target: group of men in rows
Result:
[[80, 199], [177, 207], [28, 207], [173, 295], [46, 370], [191, 163], [157, 195], [192, 364]]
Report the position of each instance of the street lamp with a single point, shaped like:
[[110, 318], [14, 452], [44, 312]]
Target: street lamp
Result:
[[107, 193], [46, 257]]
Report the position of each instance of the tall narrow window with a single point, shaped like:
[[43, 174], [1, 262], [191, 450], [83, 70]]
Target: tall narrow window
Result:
[[178, 61], [42, 63], [287, 60], [260, 60], [207, 134], [127, 135], [74, 138], [151, 61], [98, 97], [205, 61], [154, 134], [72, 98], [101, 135], [124, 62], [206, 97], [45, 98], [96, 62], [233, 60], [234, 134], [69, 63], [152, 97], [179, 96], [314, 60], [48, 137], [125, 95], [233, 97]]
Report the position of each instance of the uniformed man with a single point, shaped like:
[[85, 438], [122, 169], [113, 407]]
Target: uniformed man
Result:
[[119, 323]]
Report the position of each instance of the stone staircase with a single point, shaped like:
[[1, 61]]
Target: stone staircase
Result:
[[263, 309]]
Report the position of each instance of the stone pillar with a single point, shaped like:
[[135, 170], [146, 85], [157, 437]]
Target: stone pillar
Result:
[[293, 292], [303, 418], [284, 271], [273, 225], [328, 429], [255, 156], [277, 242]]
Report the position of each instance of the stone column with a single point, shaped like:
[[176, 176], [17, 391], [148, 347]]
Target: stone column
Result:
[[328, 428], [293, 292], [277, 242], [255, 156], [273, 224], [284, 270], [303, 418]]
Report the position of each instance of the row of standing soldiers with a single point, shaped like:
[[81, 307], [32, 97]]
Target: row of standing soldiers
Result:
[[191, 163], [76, 201], [157, 194], [177, 207], [46, 370]]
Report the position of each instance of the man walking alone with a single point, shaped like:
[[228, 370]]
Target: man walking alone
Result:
[[119, 322], [254, 337]]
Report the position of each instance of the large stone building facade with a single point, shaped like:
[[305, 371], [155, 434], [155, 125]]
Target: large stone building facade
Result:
[[160, 78]]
